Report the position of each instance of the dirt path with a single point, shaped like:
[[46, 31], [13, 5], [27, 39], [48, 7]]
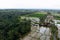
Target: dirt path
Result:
[[33, 35]]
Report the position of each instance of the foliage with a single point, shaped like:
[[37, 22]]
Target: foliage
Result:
[[58, 22], [54, 31], [11, 28], [36, 15], [57, 17]]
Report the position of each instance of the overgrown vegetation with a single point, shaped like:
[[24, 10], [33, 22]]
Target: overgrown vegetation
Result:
[[54, 32], [11, 26], [57, 17], [58, 22]]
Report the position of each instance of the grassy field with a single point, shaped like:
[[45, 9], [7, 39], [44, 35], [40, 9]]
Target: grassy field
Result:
[[57, 17], [41, 14], [58, 22], [37, 14]]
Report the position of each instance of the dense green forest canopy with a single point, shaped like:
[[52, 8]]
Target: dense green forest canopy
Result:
[[11, 26]]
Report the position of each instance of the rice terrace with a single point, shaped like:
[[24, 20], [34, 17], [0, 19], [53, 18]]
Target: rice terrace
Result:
[[29, 24]]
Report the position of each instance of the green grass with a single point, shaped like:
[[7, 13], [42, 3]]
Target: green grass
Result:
[[36, 14], [57, 17], [58, 22], [54, 31], [40, 14]]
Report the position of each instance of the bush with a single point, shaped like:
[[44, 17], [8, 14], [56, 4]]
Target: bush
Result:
[[11, 28]]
